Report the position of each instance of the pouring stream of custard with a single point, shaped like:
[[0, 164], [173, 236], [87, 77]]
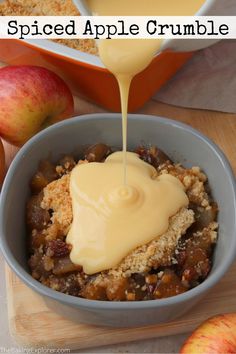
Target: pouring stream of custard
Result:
[[125, 58], [121, 204]]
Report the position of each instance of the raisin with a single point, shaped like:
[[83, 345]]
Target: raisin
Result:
[[97, 152], [67, 162], [152, 155], [58, 248]]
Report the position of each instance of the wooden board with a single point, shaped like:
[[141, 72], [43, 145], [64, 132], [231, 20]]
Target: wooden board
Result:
[[33, 324]]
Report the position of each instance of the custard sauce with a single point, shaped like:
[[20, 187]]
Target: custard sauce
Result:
[[121, 204]]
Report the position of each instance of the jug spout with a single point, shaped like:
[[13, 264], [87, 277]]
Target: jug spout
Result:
[[209, 8]]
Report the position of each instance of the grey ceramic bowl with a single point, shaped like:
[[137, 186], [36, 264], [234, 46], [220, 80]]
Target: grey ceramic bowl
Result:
[[182, 143]]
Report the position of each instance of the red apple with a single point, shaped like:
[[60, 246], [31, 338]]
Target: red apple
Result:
[[31, 98], [2, 163], [216, 335]]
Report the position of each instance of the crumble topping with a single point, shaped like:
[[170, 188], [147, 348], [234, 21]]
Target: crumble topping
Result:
[[193, 180], [57, 197], [159, 251], [173, 263], [49, 8], [152, 255]]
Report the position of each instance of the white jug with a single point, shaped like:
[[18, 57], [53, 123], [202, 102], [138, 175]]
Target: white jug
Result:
[[210, 8]]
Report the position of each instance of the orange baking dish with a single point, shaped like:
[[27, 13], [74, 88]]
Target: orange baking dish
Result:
[[85, 73]]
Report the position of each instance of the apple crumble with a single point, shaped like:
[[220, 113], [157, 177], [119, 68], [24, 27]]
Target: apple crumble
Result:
[[48, 8], [171, 264]]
